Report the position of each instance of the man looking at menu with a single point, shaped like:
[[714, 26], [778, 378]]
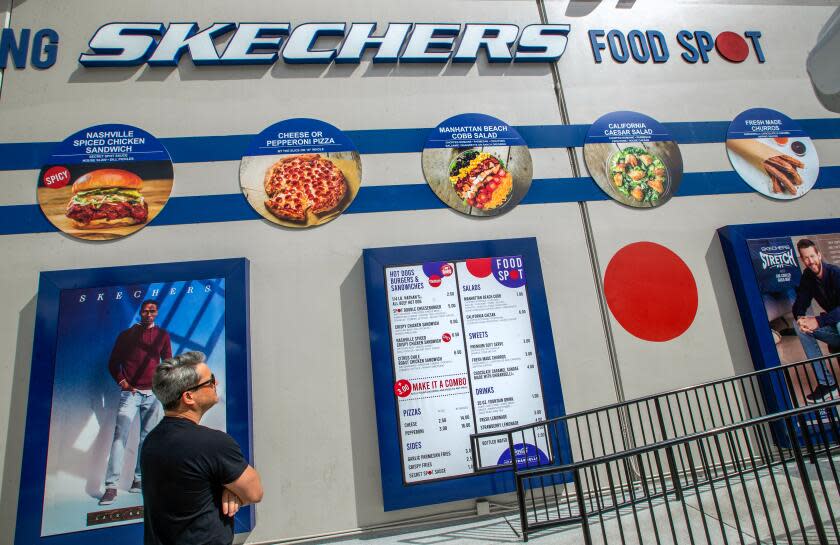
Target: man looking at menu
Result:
[[136, 354], [821, 282], [196, 477]]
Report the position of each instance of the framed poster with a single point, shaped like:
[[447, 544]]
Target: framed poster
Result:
[[786, 317], [461, 343], [80, 437]]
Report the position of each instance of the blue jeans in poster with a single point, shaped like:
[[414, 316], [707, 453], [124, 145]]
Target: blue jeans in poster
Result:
[[830, 335], [151, 413]]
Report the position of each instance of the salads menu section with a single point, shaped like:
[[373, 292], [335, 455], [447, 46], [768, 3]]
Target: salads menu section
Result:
[[464, 361]]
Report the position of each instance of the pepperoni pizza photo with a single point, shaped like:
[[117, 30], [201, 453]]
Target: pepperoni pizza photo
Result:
[[300, 184], [300, 173], [301, 190]]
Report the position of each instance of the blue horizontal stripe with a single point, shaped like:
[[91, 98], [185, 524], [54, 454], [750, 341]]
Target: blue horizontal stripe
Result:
[[28, 218], [201, 149]]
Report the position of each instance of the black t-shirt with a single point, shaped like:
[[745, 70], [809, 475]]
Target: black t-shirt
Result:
[[185, 466]]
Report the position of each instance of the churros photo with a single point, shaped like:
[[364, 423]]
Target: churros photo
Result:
[[772, 154]]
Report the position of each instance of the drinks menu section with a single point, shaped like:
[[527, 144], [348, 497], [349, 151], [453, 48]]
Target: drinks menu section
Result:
[[464, 361]]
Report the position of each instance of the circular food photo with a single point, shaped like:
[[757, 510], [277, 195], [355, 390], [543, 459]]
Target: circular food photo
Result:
[[772, 153], [639, 174], [481, 180], [633, 159], [300, 173], [477, 165], [105, 182]]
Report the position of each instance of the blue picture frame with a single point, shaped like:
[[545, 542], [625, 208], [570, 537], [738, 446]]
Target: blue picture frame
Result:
[[733, 240], [395, 494], [36, 439]]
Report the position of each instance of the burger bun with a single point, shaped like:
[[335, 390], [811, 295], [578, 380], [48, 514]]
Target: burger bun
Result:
[[105, 223], [107, 178]]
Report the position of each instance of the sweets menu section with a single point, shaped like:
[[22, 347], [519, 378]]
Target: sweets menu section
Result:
[[464, 362]]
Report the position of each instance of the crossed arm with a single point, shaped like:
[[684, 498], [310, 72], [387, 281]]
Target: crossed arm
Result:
[[245, 490]]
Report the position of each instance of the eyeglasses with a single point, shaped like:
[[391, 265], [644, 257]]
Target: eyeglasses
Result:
[[211, 381]]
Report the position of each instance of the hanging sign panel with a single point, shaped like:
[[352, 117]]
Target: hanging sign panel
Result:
[[477, 164], [300, 173], [634, 159], [779, 273], [772, 153], [105, 182], [81, 477], [461, 345]]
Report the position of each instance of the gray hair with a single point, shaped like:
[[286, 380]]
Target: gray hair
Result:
[[175, 375]]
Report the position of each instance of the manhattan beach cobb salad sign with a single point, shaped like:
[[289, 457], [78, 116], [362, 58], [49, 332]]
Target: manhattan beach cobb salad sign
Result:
[[477, 164]]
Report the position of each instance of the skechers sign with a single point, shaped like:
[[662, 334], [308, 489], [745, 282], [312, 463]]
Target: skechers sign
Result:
[[155, 44]]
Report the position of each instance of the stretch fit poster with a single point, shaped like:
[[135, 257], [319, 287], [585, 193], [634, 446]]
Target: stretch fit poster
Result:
[[789, 271], [464, 362], [86, 399]]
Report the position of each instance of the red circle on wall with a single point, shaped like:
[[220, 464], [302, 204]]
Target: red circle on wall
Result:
[[732, 47], [446, 337], [650, 291], [434, 281]]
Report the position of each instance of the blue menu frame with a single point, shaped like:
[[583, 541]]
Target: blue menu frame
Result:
[[395, 494], [36, 439]]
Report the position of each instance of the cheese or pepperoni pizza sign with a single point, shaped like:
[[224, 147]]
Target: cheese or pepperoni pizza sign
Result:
[[300, 172]]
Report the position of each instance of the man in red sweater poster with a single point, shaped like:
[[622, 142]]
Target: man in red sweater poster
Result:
[[136, 354]]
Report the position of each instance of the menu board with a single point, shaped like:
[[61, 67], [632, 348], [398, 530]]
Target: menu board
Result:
[[464, 360]]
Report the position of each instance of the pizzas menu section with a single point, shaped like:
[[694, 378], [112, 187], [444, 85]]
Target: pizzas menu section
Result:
[[464, 362]]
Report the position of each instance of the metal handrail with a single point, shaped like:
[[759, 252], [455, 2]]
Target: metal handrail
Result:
[[601, 485], [536, 472]]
